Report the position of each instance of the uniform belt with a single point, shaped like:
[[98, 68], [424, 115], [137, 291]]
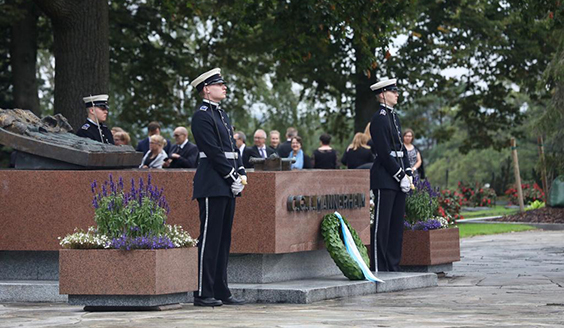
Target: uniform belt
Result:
[[228, 154], [396, 153]]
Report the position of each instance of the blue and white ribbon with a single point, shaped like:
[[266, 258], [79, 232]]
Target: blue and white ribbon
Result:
[[354, 253]]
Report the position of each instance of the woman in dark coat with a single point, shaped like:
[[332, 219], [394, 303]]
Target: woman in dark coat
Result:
[[325, 157], [358, 153]]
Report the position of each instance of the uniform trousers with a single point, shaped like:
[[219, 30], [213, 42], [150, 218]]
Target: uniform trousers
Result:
[[389, 211], [216, 220]]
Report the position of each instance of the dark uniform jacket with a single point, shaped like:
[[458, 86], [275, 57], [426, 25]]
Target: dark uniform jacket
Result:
[[254, 152], [213, 135], [387, 171], [90, 130], [188, 156]]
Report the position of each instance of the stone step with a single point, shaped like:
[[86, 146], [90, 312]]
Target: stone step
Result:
[[294, 291], [30, 291], [312, 290]]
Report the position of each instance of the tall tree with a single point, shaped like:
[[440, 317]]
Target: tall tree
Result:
[[81, 48], [23, 57]]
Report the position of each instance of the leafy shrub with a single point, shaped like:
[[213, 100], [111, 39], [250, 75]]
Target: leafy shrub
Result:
[[451, 202], [531, 193], [476, 196]]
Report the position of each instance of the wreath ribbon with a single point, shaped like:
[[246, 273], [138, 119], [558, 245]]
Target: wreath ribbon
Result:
[[353, 251]]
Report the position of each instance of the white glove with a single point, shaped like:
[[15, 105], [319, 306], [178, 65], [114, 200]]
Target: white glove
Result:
[[237, 187], [405, 185]]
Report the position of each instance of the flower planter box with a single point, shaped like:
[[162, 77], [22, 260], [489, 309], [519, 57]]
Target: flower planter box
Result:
[[429, 248], [102, 278]]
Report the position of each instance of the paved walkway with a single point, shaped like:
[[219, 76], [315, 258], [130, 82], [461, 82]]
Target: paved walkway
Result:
[[509, 280]]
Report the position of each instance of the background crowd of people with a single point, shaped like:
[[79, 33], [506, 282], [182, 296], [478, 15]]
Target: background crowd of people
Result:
[[359, 154]]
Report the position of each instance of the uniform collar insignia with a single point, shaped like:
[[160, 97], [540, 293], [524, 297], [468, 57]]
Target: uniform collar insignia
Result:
[[204, 108], [89, 120], [211, 102], [383, 111], [388, 107]]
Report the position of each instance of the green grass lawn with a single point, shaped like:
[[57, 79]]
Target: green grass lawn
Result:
[[475, 229], [490, 211]]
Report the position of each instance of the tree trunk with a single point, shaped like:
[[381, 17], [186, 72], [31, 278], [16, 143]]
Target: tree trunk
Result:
[[23, 58], [365, 103], [81, 35]]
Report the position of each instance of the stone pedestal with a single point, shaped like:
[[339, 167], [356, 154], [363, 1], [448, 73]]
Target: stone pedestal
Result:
[[424, 251], [136, 278]]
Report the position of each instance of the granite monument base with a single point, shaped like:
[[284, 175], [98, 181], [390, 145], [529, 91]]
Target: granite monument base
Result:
[[437, 268], [267, 268]]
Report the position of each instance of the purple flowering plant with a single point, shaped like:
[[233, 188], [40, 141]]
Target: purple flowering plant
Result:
[[132, 218], [138, 211], [421, 207]]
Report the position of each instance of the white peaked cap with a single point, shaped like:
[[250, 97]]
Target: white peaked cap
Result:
[[205, 76], [96, 98], [382, 84]]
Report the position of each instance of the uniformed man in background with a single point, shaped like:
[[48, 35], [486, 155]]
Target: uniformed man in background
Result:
[[220, 177], [389, 180], [97, 111]]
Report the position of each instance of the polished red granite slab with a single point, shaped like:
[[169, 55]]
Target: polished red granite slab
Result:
[[39, 206]]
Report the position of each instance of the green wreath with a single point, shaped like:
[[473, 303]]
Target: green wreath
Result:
[[333, 237]]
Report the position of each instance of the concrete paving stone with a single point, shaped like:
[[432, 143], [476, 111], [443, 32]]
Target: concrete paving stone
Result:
[[458, 301]]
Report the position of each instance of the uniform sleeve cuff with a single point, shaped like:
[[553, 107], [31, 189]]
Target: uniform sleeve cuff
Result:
[[399, 175], [409, 171], [232, 175]]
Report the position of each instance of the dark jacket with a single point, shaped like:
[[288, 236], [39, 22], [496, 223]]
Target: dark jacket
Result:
[[189, 155], [90, 130], [213, 134], [355, 158], [254, 152], [325, 159], [387, 171], [285, 149]]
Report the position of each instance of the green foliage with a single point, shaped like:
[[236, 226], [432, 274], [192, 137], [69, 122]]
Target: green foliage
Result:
[[421, 203], [140, 212], [536, 205], [333, 238]]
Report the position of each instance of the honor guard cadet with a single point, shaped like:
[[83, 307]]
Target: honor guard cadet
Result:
[[97, 111], [389, 180], [220, 177]]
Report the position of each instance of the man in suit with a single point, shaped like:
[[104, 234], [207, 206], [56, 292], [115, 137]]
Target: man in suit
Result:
[[153, 128], [259, 150], [286, 148], [183, 154], [240, 139]]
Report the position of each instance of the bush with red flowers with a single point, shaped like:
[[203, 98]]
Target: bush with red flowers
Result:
[[531, 193], [476, 196], [450, 201], [484, 197], [466, 192]]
